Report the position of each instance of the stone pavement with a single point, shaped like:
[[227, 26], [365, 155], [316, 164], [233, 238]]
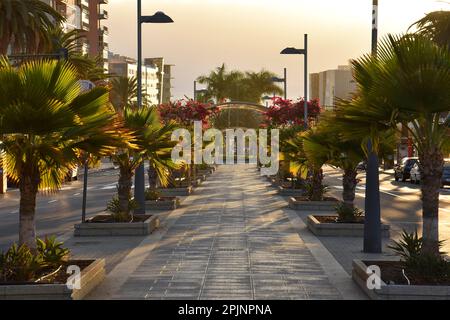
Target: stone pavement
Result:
[[233, 239]]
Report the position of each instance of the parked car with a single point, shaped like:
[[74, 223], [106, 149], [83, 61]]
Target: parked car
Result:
[[402, 170], [446, 174], [415, 173], [72, 175], [361, 166]]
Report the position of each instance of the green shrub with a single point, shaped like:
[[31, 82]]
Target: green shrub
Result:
[[152, 195], [428, 267], [118, 214], [347, 213], [53, 253], [19, 264], [308, 186]]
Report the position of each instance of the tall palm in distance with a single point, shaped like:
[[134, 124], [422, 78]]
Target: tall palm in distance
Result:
[[239, 86], [25, 25]]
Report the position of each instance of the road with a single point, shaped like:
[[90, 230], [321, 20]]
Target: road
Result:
[[56, 213], [400, 202]]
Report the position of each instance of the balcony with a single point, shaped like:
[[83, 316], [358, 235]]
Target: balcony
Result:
[[103, 1], [83, 3], [103, 14]]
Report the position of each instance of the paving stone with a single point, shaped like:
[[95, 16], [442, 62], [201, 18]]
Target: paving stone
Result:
[[235, 242]]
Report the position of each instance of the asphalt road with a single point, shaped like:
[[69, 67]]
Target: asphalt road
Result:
[[56, 213], [400, 202]]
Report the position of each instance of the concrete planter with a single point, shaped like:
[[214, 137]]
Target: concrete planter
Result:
[[312, 205], [396, 292], [162, 204], [290, 192], [206, 172], [98, 229], [341, 229], [91, 277], [175, 192]]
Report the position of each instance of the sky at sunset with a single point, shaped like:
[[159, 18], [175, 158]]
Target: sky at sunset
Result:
[[249, 34]]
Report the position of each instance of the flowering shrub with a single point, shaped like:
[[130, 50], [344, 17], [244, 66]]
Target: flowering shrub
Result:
[[185, 112], [289, 113]]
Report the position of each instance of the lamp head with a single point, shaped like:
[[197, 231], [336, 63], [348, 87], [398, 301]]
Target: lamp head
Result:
[[158, 17], [291, 50]]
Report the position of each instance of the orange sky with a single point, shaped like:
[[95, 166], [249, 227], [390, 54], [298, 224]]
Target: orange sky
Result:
[[249, 34]]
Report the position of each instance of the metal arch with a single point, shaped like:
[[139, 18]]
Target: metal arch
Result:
[[241, 105]]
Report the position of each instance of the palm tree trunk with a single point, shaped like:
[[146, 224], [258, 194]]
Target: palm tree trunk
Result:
[[27, 226], [432, 163], [349, 183], [316, 184], [124, 188], [152, 178]]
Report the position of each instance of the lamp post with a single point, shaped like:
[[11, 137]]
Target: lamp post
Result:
[[304, 52], [284, 80], [372, 221], [158, 17]]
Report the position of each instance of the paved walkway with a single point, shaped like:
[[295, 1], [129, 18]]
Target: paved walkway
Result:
[[233, 240]]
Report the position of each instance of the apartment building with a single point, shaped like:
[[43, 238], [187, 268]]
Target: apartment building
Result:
[[86, 15], [164, 76], [331, 84], [127, 67]]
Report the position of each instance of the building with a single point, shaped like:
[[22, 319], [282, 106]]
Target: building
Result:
[[331, 84], [86, 15], [127, 67], [164, 76]]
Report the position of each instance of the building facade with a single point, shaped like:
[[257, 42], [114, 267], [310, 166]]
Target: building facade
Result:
[[88, 16], [164, 76], [127, 67], [331, 84]]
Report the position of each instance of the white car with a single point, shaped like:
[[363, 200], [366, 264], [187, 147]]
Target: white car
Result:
[[415, 174]]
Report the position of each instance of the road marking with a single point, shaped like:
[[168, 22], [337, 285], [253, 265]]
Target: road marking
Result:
[[15, 211], [76, 194], [52, 201]]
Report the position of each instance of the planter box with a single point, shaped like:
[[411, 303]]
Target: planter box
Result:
[[164, 204], [175, 192], [206, 172], [290, 192], [312, 205], [341, 229], [397, 292], [91, 277], [98, 229]]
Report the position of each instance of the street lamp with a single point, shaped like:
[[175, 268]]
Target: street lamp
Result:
[[304, 52], [158, 17], [284, 80], [372, 221]]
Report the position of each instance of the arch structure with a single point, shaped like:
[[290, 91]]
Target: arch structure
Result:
[[241, 105]]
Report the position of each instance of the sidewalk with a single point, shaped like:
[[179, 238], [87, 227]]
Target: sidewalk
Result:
[[234, 238]]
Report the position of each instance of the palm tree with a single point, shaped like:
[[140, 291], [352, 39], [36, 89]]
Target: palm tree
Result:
[[302, 151], [152, 142], [123, 92], [25, 24], [408, 83], [347, 153], [45, 124], [260, 83], [435, 26], [217, 83]]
